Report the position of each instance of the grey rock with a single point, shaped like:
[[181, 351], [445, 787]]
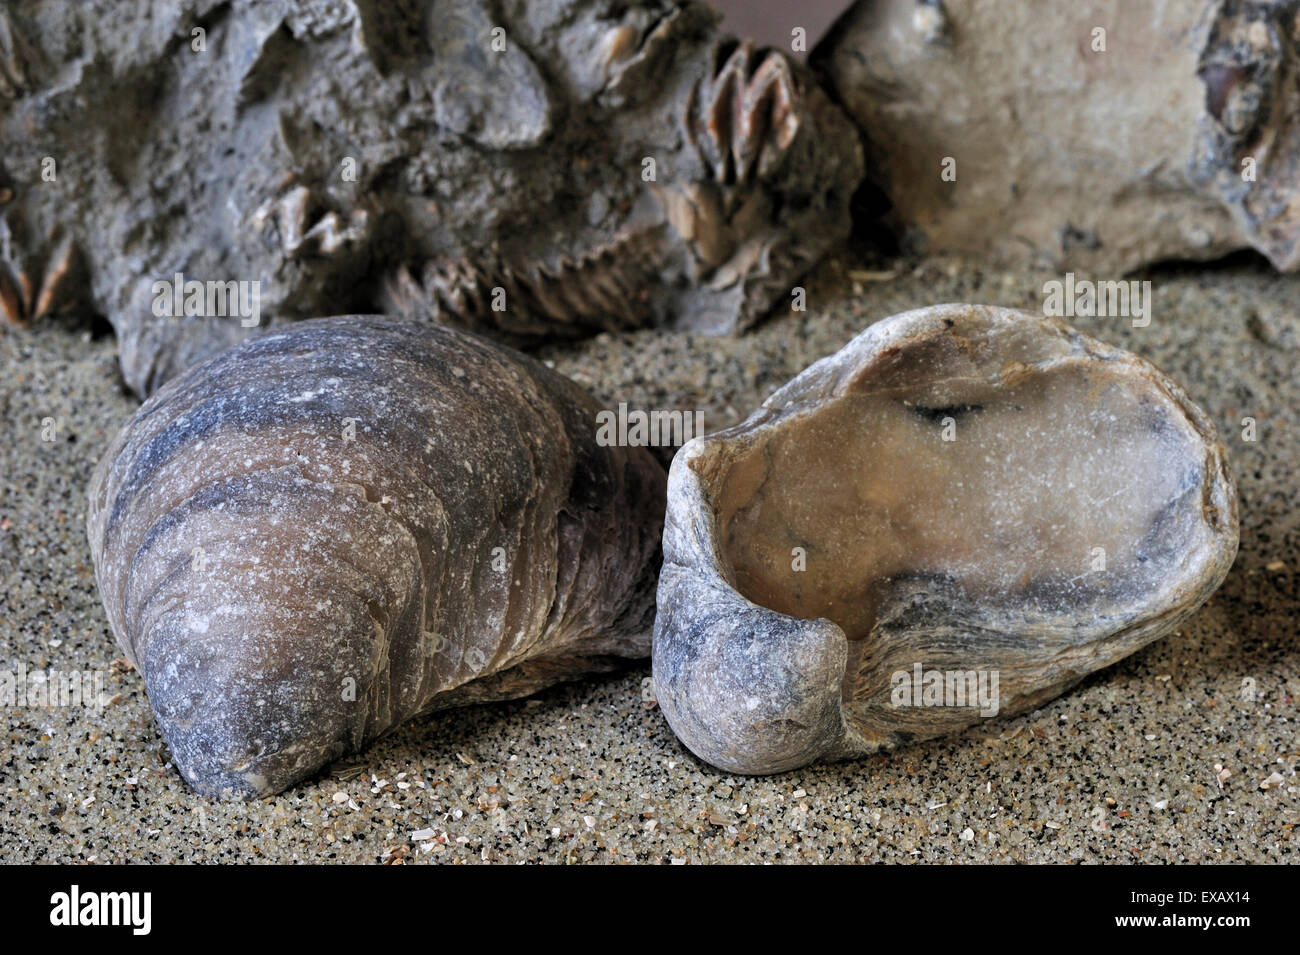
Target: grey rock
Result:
[[962, 491], [1090, 135], [328, 530], [440, 158]]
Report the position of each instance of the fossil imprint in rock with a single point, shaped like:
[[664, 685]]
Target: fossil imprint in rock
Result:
[[328, 530], [543, 170], [960, 490], [1098, 134]]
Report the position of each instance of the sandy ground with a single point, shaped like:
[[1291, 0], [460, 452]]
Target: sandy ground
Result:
[[1157, 759]]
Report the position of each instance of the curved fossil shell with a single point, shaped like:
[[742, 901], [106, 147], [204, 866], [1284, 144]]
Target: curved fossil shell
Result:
[[326, 531], [961, 490]]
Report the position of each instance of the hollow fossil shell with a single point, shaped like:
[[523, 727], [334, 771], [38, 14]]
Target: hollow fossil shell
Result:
[[326, 531], [963, 512]]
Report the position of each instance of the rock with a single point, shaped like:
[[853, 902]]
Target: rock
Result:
[[542, 170], [1098, 135]]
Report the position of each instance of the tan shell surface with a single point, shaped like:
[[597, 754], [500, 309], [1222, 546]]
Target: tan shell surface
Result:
[[965, 491]]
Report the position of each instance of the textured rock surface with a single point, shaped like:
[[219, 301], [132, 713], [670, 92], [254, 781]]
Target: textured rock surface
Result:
[[413, 156], [960, 490], [326, 531], [1071, 156]]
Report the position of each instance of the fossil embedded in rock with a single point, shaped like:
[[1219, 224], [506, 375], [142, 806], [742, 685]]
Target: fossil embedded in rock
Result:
[[1093, 135], [540, 170], [32, 290], [328, 530], [960, 490]]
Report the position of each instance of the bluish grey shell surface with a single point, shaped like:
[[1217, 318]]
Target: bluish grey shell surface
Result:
[[323, 532]]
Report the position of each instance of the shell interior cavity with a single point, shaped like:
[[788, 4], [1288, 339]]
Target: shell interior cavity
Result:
[[961, 491]]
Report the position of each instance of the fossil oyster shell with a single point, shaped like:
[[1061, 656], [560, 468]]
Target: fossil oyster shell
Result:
[[543, 170], [328, 530], [1107, 135], [960, 490]]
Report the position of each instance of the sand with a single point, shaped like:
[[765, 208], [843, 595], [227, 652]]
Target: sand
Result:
[[1157, 759]]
